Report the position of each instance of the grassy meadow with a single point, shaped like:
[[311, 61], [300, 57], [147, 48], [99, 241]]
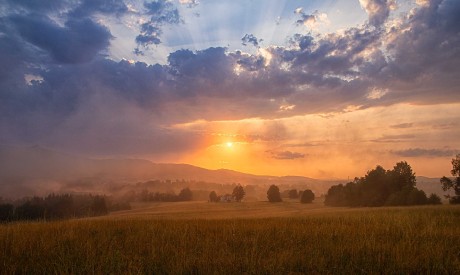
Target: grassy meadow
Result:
[[239, 238]]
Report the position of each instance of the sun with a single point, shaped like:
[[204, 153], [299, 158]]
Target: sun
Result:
[[229, 144]]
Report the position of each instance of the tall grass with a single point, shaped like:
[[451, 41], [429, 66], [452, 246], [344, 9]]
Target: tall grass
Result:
[[392, 240]]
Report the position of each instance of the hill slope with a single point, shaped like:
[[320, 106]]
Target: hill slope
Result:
[[36, 170]]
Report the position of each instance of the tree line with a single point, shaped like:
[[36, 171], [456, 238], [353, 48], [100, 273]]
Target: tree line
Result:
[[237, 195], [273, 195], [184, 195], [53, 207], [381, 187]]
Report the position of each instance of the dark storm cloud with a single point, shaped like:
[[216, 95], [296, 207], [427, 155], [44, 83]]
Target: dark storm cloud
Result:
[[49, 5], [426, 54], [78, 41], [89, 7], [249, 62], [212, 64], [434, 28], [419, 152], [73, 8], [335, 53]]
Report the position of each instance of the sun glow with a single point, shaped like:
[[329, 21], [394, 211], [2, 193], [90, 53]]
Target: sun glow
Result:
[[229, 144]]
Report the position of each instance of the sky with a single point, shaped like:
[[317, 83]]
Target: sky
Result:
[[324, 89]]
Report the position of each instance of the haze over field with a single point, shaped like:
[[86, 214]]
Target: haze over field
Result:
[[320, 89], [28, 171]]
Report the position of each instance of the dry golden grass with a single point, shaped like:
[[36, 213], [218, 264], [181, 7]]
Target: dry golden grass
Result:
[[270, 238]]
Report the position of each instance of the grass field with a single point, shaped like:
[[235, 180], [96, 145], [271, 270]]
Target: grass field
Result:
[[238, 238]]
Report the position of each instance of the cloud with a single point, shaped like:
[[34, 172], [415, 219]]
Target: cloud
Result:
[[161, 12], [250, 39], [414, 60], [445, 126], [286, 155], [189, 3], [394, 138], [42, 6], [423, 3], [419, 152], [378, 10], [311, 20], [402, 126], [75, 9], [89, 7], [300, 145], [78, 41]]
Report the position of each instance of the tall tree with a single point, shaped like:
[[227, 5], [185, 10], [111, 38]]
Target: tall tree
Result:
[[307, 196], [185, 194], [213, 196], [273, 194], [448, 184], [238, 193], [401, 176]]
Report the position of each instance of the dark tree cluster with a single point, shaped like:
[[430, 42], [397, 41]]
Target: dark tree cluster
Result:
[[54, 207], [449, 184], [237, 195], [290, 193], [184, 195], [273, 194], [307, 196], [381, 187]]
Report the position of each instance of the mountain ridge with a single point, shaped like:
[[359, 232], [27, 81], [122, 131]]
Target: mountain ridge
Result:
[[25, 169]]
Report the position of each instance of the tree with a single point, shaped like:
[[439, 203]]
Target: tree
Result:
[[374, 187], [32, 209], [416, 197], [307, 196], [6, 212], [401, 176], [185, 194], [273, 194], [213, 197], [238, 193], [99, 206], [454, 184], [336, 196], [293, 194], [379, 187]]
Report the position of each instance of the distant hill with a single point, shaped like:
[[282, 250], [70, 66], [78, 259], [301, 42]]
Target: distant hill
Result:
[[37, 170], [430, 185], [26, 170]]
